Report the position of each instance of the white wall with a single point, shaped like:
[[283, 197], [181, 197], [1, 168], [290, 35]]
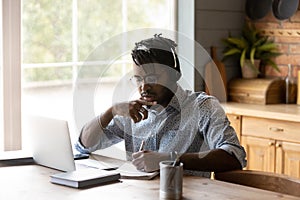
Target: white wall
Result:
[[215, 19], [186, 37]]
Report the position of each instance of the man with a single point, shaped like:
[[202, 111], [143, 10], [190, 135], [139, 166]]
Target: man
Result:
[[168, 121]]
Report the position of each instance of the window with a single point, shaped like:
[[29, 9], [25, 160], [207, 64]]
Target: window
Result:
[[57, 44]]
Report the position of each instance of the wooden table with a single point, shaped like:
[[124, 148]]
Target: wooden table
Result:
[[32, 182]]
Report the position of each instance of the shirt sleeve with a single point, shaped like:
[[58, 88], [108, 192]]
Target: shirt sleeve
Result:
[[219, 133], [107, 137]]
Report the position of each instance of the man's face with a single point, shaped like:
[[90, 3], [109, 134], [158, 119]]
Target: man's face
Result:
[[154, 83]]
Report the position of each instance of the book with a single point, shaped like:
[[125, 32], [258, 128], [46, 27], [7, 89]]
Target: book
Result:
[[19, 157], [129, 171], [84, 178]]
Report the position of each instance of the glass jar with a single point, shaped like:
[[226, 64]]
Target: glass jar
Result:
[[290, 86]]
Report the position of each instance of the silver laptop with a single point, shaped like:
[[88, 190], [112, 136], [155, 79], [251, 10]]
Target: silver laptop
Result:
[[52, 147], [51, 142]]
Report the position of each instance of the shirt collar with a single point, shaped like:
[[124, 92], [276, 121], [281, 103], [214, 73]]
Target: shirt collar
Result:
[[177, 99]]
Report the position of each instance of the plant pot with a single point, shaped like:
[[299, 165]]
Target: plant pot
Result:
[[249, 71]]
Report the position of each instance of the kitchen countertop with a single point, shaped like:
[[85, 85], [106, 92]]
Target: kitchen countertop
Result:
[[289, 112]]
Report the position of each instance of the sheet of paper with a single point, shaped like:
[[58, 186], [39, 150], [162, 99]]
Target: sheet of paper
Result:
[[91, 163], [129, 171]]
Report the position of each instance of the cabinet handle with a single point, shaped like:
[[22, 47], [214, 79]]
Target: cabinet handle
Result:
[[236, 117], [278, 145], [271, 143], [275, 129]]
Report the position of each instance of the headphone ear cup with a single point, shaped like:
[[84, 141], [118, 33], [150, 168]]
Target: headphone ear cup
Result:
[[176, 76]]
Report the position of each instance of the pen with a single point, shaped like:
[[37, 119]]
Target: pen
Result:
[[142, 145], [176, 161]]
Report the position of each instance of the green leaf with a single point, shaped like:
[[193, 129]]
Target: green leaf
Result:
[[239, 43], [267, 47], [252, 53], [232, 52], [242, 59], [274, 65]]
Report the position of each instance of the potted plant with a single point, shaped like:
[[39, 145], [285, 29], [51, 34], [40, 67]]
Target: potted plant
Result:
[[253, 49]]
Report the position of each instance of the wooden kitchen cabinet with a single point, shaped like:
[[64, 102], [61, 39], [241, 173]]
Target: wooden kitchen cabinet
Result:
[[288, 158], [260, 153], [272, 156], [269, 145], [235, 122], [270, 136]]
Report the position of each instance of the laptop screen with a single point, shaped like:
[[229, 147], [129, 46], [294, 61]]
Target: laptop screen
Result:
[[50, 142]]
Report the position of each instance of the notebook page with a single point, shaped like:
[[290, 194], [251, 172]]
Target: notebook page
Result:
[[129, 171]]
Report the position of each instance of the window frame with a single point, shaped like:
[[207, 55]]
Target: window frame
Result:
[[11, 71], [11, 75]]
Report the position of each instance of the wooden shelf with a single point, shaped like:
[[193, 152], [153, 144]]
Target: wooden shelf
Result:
[[281, 32]]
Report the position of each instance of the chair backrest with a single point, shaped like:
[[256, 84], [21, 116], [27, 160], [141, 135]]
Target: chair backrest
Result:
[[262, 180]]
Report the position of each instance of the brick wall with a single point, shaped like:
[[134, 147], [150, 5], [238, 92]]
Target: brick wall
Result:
[[286, 34]]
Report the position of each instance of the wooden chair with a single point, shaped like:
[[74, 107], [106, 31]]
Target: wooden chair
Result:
[[262, 180]]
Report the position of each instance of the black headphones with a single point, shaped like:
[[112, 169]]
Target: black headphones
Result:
[[176, 66], [153, 50]]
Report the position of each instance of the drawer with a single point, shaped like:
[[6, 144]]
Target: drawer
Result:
[[270, 128]]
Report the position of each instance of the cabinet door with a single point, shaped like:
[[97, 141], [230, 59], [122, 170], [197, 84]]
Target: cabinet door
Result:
[[260, 153], [235, 121], [288, 159]]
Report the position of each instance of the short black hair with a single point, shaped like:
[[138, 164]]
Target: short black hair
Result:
[[156, 50]]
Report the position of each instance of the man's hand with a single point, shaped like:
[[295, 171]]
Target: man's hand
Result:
[[148, 160], [133, 109]]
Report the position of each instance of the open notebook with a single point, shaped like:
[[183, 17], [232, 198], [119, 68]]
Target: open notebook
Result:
[[128, 171]]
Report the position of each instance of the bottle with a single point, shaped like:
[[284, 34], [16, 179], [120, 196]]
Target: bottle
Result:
[[290, 86]]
